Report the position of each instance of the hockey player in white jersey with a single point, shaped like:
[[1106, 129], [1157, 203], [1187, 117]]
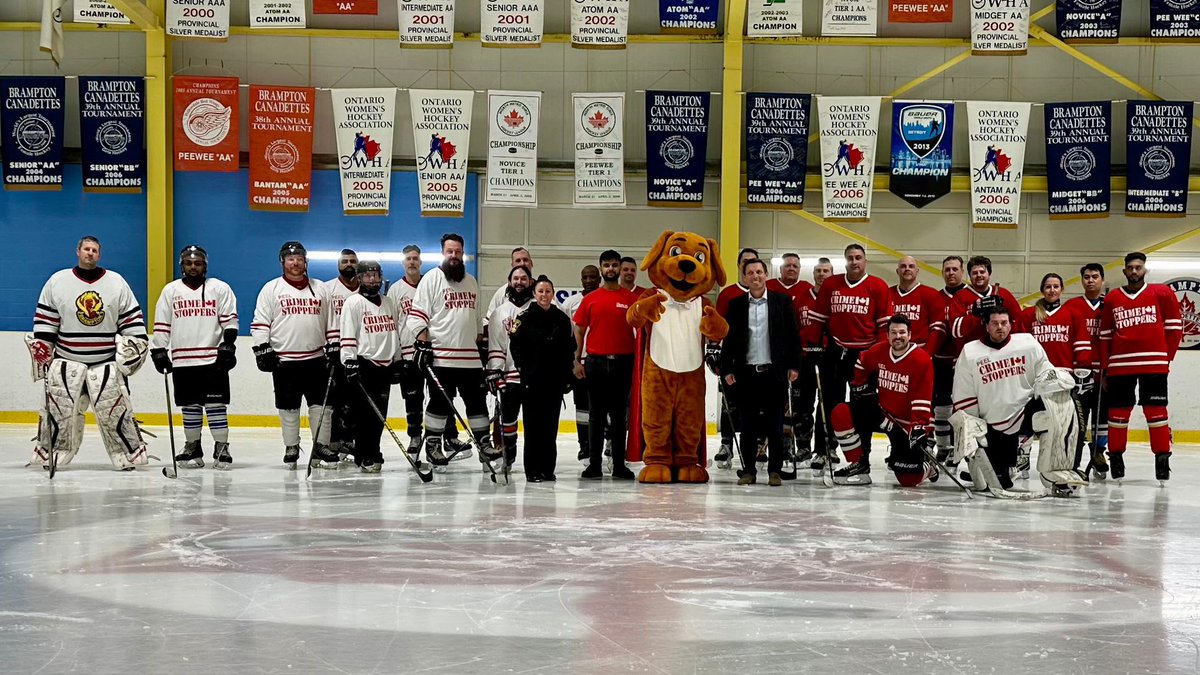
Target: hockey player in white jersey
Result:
[[370, 353], [291, 320], [503, 379], [88, 337], [447, 326], [195, 330], [339, 288]]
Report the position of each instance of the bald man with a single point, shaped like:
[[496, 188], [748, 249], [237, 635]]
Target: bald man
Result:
[[922, 305]]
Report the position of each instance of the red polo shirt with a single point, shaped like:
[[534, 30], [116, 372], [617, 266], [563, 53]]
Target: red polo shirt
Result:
[[601, 315]]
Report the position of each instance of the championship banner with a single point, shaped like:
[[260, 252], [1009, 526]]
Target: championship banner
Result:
[[33, 114], [1078, 159], [511, 24], [774, 18], [688, 16], [345, 6], [281, 138], [999, 27], [207, 19], [1158, 155], [922, 142], [599, 149], [599, 24], [849, 133], [277, 14], [363, 122], [676, 147], [206, 124], [441, 123], [98, 11], [920, 11], [512, 148], [849, 17], [997, 133], [112, 133], [1088, 21], [776, 149], [1179, 19], [426, 23]]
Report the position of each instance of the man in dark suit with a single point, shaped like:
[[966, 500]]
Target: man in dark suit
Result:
[[759, 357]]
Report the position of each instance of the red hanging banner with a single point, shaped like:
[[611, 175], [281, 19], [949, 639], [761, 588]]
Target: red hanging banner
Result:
[[920, 11], [345, 6], [206, 124], [281, 138]]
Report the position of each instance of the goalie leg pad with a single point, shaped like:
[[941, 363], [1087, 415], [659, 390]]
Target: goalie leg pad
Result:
[[843, 428], [114, 416], [62, 423]]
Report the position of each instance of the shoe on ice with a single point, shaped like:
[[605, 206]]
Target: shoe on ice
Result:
[[192, 455], [592, 471], [747, 479], [623, 473], [854, 473]]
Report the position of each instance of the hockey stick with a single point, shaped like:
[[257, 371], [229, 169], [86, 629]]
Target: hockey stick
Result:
[[497, 430], [737, 447], [827, 476], [789, 432], [933, 458], [171, 429], [470, 434], [321, 420], [1095, 428], [53, 455], [425, 477]]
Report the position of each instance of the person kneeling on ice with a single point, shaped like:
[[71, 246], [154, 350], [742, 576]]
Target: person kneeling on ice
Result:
[[1004, 387], [890, 391]]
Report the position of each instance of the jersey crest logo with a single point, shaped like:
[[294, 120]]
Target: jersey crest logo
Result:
[[89, 308], [1187, 291]]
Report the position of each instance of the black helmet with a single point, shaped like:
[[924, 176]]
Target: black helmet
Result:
[[365, 266], [292, 248], [193, 250]]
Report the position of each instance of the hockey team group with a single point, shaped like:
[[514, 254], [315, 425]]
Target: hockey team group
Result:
[[960, 374]]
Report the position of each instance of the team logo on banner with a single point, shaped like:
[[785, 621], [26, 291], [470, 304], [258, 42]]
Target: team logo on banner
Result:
[[1078, 146], [441, 136], [1088, 21], [1179, 19], [922, 137], [98, 11], [849, 17], [1157, 155], [599, 149], [687, 16], [776, 149], [920, 11], [1187, 292], [512, 148], [363, 124], [206, 133], [515, 23], [345, 6], [111, 133], [277, 14], [999, 27], [849, 133], [33, 120], [997, 133], [774, 18], [281, 133], [599, 24], [676, 147], [195, 19], [426, 23]]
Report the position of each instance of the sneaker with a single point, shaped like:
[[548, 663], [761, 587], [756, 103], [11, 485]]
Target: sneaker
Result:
[[774, 480], [192, 455], [747, 479], [323, 457], [592, 471], [1162, 467], [1116, 464], [854, 473], [457, 450], [221, 455], [549, 477], [291, 455], [433, 451], [622, 473]]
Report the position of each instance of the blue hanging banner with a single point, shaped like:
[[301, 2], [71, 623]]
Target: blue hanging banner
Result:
[[776, 149], [1078, 154], [112, 133], [687, 16], [1088, 21], [922, 149], [1158, 155], [32, 113], [1175, 19], [676, 147]]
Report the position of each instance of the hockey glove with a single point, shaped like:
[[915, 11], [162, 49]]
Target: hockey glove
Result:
[[423, 354], [984, 306], [712, 357], [333, 354], [1084, 382], [41, 353], [494, 379], [351, 369], [919, 440], [265, 358], [227, 356], [861, 392], [162, 362]]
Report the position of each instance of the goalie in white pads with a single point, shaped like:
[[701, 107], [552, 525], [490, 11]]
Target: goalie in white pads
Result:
[[88, 337], [1005, 386]]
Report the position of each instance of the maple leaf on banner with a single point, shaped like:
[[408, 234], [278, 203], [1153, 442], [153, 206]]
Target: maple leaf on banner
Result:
[[1003, 161], [598, 120], [513, 118], [371, 148], [855, 157], [448, 150]]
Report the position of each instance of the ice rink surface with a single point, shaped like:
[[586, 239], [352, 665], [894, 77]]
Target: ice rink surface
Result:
[[256, 570]]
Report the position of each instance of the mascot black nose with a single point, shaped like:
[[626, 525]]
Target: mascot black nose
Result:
[[687, 266]]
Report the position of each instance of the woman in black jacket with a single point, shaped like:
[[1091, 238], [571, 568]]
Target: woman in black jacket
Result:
[[543, 349]]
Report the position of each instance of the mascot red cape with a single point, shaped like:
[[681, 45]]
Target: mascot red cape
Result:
[[674, 320]]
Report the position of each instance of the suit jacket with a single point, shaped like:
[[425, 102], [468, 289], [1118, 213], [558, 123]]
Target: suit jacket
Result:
[[781, 326]]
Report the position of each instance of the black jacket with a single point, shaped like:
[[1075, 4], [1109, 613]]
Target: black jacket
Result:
[[781, 324], [543, 347]]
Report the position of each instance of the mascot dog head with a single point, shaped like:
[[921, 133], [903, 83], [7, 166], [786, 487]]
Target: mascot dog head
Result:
[[685, 265]]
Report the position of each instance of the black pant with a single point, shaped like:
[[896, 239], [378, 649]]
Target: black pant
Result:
[[1002, 448], [730, 413], [412, 389], [464, 382], [609, 381], [511, 398], [1089, 415], [579, 394], [543, 405], [837, 369], [868, 417], [294, 380], [804, 414], [341, 401], [368, 425], [762, 396]]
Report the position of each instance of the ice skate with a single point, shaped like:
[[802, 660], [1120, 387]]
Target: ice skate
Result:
[[433, 452], [1099, 465], [724, 456], [608, 460], [221, 456], [291, 455], [1021, 470], [584, 456], [1116, 466], [462, 448], [414, 448], [760, 458], [192, 456], [323, 457], [854, 473], [1162, 468], [370, 466]]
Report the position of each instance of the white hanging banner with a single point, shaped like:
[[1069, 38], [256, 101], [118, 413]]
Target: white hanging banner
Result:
[[512, 148], [599, 149], [849, 128], [426, 23], [441, 136], [98, 11], [774, 18], [511, 23], [997, 132], [599, 24], [277, 14], [849, 17], [207, 19], [363, 123], [999, 27]]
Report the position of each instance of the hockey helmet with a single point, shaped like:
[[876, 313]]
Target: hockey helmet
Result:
[[193, 251], [365, 266], [292, 248]]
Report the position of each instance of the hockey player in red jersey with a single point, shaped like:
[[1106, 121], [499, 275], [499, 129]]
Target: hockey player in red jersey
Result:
[[1095, 405], [891, 391], [976, 299], [1140, 330], [810, 436], [944, 356], [921, 304]]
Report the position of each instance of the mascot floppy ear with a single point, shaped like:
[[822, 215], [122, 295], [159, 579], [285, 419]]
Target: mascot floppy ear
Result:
[[715, 262], [656, 251]]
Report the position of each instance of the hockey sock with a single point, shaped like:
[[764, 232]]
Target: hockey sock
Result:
[[1118, 428], [847, 435], [218, 422], [941, 426], [193, 419], [479, 426], [1160, 428], [323, 415], [435, 425], [581, 425], [290, 421]]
